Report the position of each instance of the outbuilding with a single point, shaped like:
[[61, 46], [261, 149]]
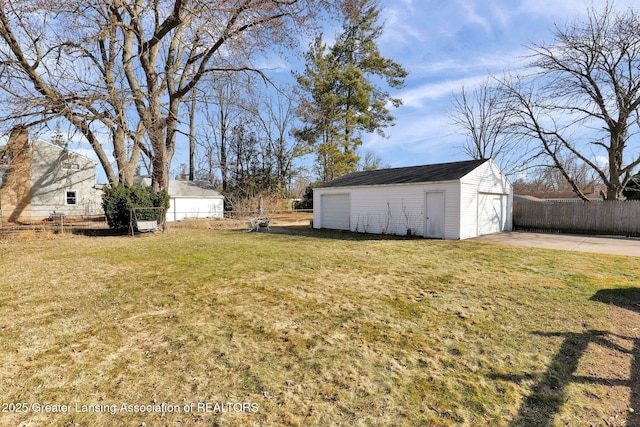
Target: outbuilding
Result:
[[457, 200], [192, 199]]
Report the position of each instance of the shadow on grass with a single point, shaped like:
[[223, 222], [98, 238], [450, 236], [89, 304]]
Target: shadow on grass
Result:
[[292, 230], [549, 392], [628, 299], [306, 231], [97, 232]]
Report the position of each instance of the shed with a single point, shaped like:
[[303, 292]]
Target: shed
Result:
[[457, 200], [192, 199]]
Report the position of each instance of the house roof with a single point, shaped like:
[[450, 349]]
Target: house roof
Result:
[[192, 189], [199, 189], [62, 148], [526, 198], [407, 175], [592, 193]]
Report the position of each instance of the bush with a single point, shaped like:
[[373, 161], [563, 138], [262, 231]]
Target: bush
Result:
[[117, 202]]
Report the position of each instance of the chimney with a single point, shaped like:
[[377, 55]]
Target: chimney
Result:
[[16, 193]]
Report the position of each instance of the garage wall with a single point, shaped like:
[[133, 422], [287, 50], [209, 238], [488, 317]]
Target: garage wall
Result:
[[476, 187], [190, 207], [392, 209], [492, 213]]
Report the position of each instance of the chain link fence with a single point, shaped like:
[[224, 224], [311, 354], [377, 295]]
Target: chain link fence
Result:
[[58, 222]]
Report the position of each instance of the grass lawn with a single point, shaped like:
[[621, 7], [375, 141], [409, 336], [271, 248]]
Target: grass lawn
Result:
[[202, 327]]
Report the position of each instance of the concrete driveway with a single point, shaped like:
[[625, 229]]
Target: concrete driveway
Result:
[[571, 242]]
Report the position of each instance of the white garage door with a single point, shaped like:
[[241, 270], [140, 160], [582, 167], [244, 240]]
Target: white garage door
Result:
[[335, 211], [492, 209]]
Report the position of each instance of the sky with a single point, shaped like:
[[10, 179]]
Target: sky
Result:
[[445, 45]]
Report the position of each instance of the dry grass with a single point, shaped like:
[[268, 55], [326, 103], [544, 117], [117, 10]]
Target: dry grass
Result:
[[303, 328], [280, 219]]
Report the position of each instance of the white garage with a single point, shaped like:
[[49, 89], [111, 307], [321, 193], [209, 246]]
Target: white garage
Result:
[[192, 199], [457, 200]]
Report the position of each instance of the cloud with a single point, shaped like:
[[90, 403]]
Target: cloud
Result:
[[602, 161], [554, 10], [274, 64], [566, 11], [397, 29], [424, 95], [420, 96], [422, 137], [487, 63], [471, 16]]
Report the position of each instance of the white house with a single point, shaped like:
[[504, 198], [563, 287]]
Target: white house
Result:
[[192, 199], [38, 178], [456, 200]]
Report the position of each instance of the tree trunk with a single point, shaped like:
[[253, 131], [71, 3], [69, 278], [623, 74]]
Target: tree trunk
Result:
[[192, 137]]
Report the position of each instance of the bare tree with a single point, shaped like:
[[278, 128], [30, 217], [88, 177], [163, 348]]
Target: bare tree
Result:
[[484, 115], [129, 65], [247, 139], [548, 179], [223, 112], [275, 117], [45, 76], [584, 102], [372, 161]]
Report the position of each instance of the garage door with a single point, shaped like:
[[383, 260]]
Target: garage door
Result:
[[492, 209], [335, 211]]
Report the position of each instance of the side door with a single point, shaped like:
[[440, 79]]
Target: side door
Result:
[[434, 215]]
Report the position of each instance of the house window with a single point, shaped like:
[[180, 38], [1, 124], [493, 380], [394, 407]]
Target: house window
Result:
[[72, 197]]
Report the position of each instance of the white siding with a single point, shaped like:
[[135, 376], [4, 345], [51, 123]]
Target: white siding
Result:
[[487, 178], [397, 208], [388, 209], [56, 171], [190, 207], [393, 209], [492, 211], [468, 210]]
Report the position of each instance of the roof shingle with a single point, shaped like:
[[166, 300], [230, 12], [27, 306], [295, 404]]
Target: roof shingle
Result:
[[407, 175]]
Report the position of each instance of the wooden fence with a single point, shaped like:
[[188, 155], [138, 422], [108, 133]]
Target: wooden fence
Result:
[[596, 217]]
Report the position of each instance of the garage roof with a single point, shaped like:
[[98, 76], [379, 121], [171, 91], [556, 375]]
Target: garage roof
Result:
[[407, 175], [192, 189], [199, 189]]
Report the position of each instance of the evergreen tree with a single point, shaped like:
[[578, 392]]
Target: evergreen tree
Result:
[[340, 99], [318, 108]]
